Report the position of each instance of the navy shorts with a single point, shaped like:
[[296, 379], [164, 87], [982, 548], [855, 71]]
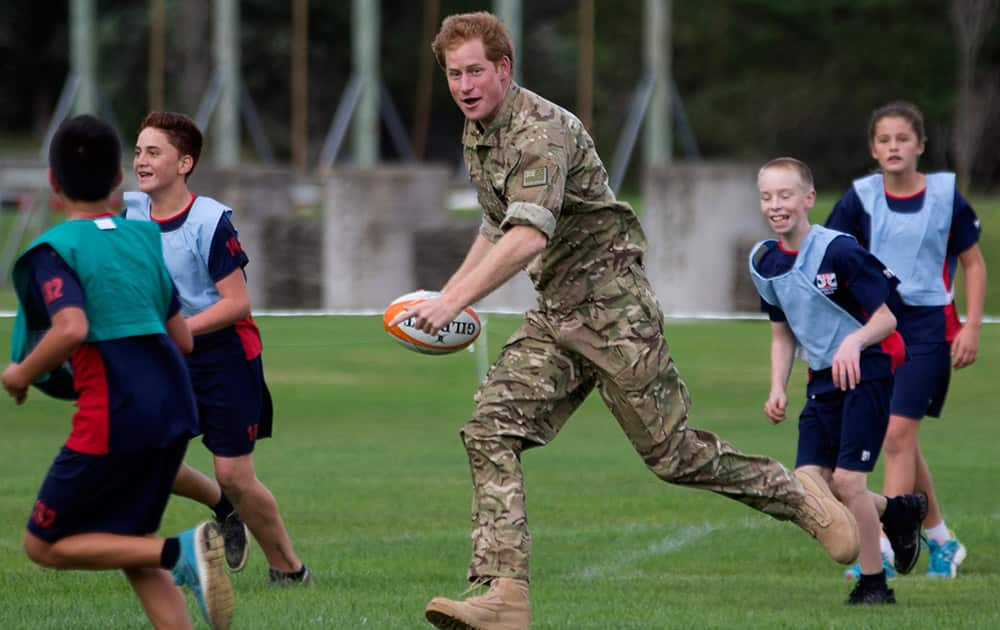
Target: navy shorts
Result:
[[117, 493], [234, 404], [845, 429], [922, 381]]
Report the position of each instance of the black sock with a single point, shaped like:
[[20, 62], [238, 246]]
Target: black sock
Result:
[[295, 575], [171, 553], [223, 508], [874, 580], [893, 511]]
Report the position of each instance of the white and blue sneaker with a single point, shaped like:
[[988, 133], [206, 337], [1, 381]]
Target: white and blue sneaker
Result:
[[945, 558], [202, 568], [854, 573]]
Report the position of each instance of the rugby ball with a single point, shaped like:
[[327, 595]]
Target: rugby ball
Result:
[[458, 334]]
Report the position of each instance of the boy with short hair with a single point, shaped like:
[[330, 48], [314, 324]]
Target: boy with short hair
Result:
[[823, 291], [206, 259], [93, 291]]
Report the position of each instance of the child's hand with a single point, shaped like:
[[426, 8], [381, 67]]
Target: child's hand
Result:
[[16, 388], [775, 406], [964, 347], [846, 368]]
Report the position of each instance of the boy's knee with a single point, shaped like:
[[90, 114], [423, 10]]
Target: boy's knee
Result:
[[897, 442], [848, 484], [40, 551], [235, 475]]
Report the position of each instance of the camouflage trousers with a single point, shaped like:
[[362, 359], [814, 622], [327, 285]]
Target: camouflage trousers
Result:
[[545, 371]]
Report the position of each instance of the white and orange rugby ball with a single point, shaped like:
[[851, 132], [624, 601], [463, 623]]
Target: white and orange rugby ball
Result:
[[457, 334]]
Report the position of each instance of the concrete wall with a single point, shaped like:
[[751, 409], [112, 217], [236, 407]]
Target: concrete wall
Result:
[[258, 195], [370, 235], [352, 239], [701, 220], [371, 219]]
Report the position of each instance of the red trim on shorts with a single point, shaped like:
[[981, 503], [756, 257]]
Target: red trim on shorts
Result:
[[249, 337], [91, 420]]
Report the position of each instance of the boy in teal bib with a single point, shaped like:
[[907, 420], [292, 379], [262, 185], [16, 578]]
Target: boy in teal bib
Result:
[[99, 320]]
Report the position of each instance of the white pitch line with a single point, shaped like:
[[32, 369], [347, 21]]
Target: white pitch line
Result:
[[678, 539]]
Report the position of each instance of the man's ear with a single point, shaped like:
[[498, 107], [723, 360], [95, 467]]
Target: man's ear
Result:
[[505, 67]]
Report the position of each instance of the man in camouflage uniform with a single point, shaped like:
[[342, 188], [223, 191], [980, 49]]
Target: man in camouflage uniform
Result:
[[547, 207]]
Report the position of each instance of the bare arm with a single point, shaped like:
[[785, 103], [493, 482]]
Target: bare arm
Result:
[[782, 358], [499, 263], [965, 346], [178, 330], [846, 369], [477, 251], [69, 329], [233, 305]]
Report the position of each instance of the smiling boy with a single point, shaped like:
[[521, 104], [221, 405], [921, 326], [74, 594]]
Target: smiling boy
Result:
[[826, 293]]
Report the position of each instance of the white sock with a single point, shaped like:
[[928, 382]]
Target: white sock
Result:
[[939, 533], [885, 547]]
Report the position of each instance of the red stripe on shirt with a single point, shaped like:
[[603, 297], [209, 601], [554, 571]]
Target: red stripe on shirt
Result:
[[951, 323], [91, 420], [249, 337]]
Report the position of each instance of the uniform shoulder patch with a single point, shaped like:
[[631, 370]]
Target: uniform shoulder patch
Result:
[[535, 176]]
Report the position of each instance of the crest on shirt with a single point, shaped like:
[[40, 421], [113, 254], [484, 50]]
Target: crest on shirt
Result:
[[535, 176], [826, 282]]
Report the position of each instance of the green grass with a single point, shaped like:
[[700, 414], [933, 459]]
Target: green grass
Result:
[[373, 484]]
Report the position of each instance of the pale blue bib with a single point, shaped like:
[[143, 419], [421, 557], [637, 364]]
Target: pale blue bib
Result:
[[187, 248], [913, 245], [818, 323]]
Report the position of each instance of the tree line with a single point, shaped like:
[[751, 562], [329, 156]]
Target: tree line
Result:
[[757, 78]]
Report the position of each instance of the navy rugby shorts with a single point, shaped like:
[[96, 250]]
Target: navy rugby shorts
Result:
[[845, 429], [922, 381], [234, 404], [117, 493]]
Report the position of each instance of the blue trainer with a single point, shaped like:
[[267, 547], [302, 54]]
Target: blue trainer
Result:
[[854, 573], [202, 568], [945, 558]]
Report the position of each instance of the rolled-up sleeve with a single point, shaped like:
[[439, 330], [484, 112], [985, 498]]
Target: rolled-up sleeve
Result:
[[490, 231], [524, 213]]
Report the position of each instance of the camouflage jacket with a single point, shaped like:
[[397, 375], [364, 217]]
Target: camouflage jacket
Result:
[[535, 164]]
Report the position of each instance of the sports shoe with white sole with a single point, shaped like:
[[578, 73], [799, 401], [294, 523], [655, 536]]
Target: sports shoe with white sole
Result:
[[201, 568], [827, 520], [237, 539], [945, 558]]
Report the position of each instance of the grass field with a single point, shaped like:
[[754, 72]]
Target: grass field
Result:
[[373, 484]]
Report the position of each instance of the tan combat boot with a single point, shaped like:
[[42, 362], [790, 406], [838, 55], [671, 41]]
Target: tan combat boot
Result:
[[503, 607], [827, 519]]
